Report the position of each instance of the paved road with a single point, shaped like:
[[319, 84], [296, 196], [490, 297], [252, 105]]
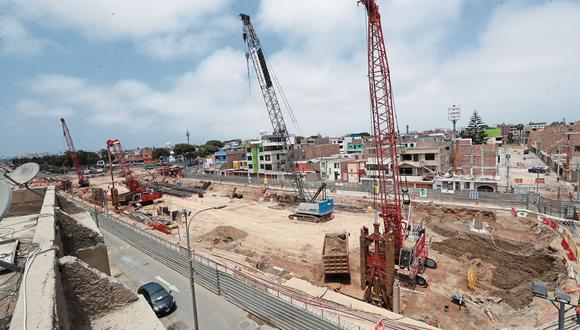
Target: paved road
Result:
[[134, 268]]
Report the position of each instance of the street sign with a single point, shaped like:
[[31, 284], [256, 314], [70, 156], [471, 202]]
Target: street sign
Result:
[[423, 192]]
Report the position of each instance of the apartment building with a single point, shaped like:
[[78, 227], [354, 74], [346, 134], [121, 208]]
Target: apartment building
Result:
[[331, 167], [266, 157], [320, 150], [420, 157]]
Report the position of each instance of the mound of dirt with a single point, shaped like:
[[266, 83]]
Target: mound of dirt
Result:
[[335, 244], [513, 272], [223, 234], [443, 213]]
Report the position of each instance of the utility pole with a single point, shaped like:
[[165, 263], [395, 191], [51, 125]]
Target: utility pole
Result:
[[190, 252], [578, 181], [507, 162]]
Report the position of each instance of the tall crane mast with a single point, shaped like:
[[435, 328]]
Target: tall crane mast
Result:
[[381, 251], [255, 51], [83, 180], [116, 148], [384, 126]]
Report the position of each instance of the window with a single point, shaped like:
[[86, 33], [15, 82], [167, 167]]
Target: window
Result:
[[278, 156], [429, 156], [261, 157], [405, 171], [250, 166], [336, 165], [262, 166], [249, 149], [269, 167], [267, 157], [249, 157], [407, 157], [576, 148], [415, 158], [261, 149]]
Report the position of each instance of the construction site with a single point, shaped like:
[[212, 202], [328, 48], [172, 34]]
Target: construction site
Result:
[[505, 254], [445, 264]]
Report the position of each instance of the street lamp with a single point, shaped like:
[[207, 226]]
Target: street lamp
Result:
[[560, 300], [191, 281]]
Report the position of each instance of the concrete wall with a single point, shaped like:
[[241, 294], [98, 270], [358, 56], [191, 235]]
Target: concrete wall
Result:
[[83, 239], [67, 293], [44, 306], [89, 293]]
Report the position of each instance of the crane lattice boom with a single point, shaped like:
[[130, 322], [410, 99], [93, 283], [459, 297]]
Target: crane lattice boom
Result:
[[272, 105], [116, 148], [83, 181], [384, 126]]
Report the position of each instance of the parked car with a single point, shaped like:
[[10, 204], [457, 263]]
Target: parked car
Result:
[[160, 300], [536, 170]]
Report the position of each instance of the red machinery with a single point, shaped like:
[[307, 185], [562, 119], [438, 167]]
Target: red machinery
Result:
[[138, 192], [83, 180], [381, 251]]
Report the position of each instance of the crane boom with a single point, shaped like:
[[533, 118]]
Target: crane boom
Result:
[[115, 146], [384, 126], [272, 105], [83, 181]]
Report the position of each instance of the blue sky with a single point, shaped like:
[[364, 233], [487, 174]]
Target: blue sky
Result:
[[144, 72]]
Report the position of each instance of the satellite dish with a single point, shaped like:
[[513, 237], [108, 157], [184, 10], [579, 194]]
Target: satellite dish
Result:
[[5, 199], [24, 173]]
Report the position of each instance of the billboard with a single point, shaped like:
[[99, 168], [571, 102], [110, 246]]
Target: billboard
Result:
[[454, 112]]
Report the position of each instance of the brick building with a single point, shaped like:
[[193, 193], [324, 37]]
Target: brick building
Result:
[[559, 147], [475, 159]]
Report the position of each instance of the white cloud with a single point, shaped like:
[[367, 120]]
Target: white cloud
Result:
[[15, 39], [35, 109], [523, 66], [162, 29]]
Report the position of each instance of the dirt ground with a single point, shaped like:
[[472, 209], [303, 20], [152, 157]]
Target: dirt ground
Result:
[[259, 234]]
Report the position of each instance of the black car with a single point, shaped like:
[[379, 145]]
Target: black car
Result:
[[158, 298]]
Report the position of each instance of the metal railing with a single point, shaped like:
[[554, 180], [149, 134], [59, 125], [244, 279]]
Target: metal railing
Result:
[[278, 305], [562, 208]]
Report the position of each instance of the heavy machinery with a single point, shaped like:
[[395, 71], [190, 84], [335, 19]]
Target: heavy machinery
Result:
[[399, 244], [309, 208], [83, 180], [138, 193]]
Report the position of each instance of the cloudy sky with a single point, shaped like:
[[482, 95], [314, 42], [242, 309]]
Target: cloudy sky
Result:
[[145, 71]]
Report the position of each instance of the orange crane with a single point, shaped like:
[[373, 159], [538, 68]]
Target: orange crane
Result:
[[381, 251], [83, 180]]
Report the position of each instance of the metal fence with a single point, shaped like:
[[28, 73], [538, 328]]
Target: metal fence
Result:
[[278, 305], [562, 208]]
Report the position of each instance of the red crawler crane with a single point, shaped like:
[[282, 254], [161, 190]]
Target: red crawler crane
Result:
[[83, 180], [380, 252], [138, 192]]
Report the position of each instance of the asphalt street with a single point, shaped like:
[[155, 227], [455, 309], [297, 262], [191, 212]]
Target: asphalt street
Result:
[[134, 268]]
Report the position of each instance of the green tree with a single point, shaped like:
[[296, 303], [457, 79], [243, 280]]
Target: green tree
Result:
[[87, 157], [160, 152], [206, 150], [475, 129], [214, 143], [183, 149]]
